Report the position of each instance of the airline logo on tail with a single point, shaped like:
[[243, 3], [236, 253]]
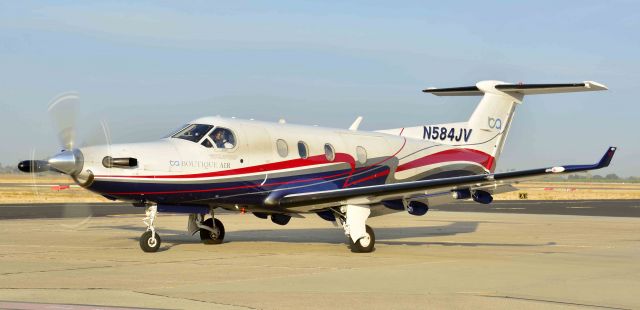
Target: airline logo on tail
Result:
[[495, 123]]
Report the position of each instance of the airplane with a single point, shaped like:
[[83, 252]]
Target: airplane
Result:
[[279, 170]]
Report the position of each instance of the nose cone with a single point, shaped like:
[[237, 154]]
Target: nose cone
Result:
[[69, 162], [32, 166]]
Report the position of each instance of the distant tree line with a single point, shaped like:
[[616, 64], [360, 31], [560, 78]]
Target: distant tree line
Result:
[[9, 169], [610, 176], [588, 177]]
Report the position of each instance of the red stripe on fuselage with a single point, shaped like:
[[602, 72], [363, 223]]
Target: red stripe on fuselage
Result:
[[287, 164], [314, 160], [475, 156]]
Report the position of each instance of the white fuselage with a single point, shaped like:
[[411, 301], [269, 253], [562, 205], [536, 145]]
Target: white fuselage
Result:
[[268, 158]]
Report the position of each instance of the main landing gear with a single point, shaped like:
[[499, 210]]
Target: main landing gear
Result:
[[211, 230], [364, 244], [213, 233], [352, 219]]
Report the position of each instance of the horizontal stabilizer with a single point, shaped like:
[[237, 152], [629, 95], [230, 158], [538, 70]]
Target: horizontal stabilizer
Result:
[[524, 89]]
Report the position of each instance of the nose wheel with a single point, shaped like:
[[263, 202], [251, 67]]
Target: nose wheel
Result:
[[150, 243]]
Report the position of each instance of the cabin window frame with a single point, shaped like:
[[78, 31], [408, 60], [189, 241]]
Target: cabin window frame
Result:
[[361, 154], [282, 143], [305, 146], [329, 152]]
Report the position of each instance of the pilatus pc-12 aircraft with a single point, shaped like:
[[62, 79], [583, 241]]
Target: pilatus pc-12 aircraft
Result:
[[278, 171]]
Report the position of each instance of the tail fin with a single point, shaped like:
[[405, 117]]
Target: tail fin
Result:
[[491, 120], [487, 128]]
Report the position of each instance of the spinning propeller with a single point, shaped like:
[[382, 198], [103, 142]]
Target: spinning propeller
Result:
[[70, 161]]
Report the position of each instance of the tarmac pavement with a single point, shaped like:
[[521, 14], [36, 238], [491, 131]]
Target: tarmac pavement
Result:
[[442, 260], [621, 208]]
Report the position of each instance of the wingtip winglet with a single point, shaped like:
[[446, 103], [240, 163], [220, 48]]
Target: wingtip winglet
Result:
[[608, 156]]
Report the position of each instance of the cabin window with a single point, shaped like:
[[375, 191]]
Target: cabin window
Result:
[[303, 149], [329, 152], [222, 138], [193, 132], [361, 154], [283, 148]]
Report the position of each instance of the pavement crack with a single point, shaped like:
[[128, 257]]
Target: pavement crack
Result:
[[559, 302], [54, 270], [132, 291], [196, 300]]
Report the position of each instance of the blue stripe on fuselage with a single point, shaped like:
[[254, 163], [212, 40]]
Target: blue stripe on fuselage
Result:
[[235, 192]]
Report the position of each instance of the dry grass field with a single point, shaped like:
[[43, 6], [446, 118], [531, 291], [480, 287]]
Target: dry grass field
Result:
[[573, 191], [44, 189]]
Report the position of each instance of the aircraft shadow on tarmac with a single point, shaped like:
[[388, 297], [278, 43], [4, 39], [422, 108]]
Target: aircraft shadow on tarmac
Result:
[[331, 235]]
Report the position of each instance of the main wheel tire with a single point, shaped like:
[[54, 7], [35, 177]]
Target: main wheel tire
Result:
[[215, 237], [364, 244], [148, 243]]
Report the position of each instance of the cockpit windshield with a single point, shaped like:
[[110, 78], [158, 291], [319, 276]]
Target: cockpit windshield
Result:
[[193, 132]]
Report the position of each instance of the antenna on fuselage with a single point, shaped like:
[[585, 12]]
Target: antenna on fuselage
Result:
[[356, 124]]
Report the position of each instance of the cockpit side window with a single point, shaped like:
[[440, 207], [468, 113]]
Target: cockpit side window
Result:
[[193, 132], [207, 143], [175, 131], [223, 138]]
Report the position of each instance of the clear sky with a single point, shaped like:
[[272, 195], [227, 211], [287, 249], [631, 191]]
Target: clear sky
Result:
[[146, 67]]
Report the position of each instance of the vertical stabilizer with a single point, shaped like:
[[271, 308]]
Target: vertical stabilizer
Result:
[[487, 128]]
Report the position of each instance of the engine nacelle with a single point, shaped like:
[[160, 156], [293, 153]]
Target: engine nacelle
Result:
[[280, 219], [417, 208], [482, 197]]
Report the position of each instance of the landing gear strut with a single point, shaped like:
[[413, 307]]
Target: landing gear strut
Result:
[[150, 240], [361, 237]]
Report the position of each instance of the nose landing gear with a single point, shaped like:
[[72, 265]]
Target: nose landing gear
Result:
[[150, 240]]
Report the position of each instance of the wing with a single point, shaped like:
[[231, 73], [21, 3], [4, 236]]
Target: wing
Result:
[[378, 193]]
